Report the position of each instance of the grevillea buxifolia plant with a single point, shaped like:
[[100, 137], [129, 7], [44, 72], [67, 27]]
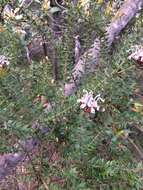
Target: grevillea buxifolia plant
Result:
[[94, 152]]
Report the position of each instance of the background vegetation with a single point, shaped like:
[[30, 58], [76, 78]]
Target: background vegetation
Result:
[[79, 151]]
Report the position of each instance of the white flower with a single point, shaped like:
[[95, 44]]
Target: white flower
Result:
[[86, 97], [137, 53], [90, 103], [4, 61], [92, 111], [95, 105], [83, 105]]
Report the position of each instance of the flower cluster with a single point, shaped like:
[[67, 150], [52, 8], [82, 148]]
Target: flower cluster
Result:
[[137, 54], [4, 62], [89, 103]]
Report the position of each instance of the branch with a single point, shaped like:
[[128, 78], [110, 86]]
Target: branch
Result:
[[122, 18], [40, 48], [86, 64], [118, 23]]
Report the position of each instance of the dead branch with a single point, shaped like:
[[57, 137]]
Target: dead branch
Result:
[[122, 18], [39, 48], [87, 63], [118, 23]]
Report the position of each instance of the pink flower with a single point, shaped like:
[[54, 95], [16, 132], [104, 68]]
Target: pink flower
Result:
[[89, 103]]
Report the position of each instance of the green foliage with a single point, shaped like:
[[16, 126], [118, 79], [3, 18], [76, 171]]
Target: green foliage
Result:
[[92, 156]]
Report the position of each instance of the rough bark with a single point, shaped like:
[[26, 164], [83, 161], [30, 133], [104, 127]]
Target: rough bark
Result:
[[122, 18], [39, 48], [86, 64]]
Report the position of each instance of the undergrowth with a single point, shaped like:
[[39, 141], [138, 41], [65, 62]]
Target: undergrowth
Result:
[[87, 152]]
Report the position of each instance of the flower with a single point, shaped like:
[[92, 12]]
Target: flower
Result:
[[136, 54], [89, 103], [4, 62], [84, 3]]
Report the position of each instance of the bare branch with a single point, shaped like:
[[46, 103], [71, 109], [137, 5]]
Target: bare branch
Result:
[[86, 64], [122, 18]]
